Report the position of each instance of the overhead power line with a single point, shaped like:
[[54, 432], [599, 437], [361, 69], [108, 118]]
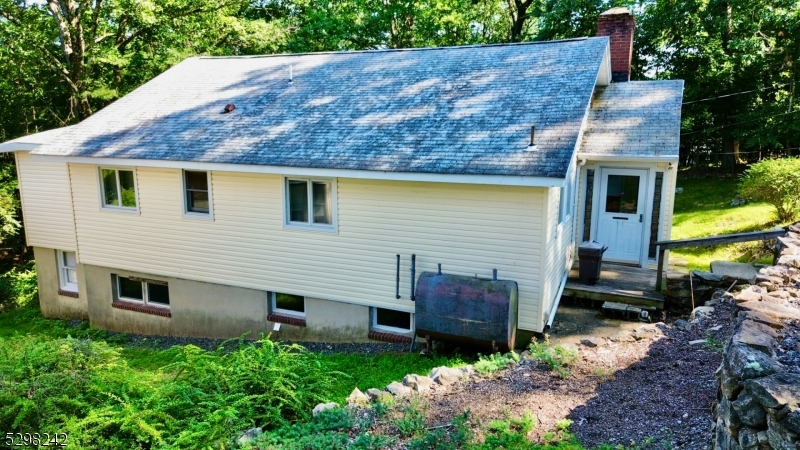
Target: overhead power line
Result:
[[739, 123], [738, 93]]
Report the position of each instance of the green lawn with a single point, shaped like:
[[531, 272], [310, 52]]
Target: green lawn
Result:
[[704, 209]]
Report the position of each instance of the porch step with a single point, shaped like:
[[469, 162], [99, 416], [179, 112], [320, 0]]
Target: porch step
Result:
[[621, 310], [618, 284]]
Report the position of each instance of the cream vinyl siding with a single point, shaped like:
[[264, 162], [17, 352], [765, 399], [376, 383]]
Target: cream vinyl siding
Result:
[[558, 244], [46, 203], [469, 229]]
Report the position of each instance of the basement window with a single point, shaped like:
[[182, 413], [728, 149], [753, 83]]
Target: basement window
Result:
[[67, 272], [118, 188], [288, 304], [391, 320], [310, 203], [147, 292]]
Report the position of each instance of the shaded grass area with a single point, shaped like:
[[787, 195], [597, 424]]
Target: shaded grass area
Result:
[[704, 209]]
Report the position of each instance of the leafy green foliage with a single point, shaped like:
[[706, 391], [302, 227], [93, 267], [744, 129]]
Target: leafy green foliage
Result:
[[557, 358], [412, 417], [18, 287], [777, 182], [452, 437], [85, 388], [329, 429], [490, 364]]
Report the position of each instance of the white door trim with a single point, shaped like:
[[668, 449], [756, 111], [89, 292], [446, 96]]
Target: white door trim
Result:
[[649, 185]]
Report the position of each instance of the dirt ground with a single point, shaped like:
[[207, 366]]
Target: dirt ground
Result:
[[642, 383]]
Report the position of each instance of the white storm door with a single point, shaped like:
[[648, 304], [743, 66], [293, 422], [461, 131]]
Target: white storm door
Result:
[[620, 223]]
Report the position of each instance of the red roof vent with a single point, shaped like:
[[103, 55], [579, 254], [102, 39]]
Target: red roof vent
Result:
[[229, 108]]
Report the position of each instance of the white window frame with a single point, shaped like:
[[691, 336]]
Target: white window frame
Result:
[[566, 201], [376, 327], [62, 272], [328, 228], [145, 293], [194, 214], [102, 190], [273, 300]]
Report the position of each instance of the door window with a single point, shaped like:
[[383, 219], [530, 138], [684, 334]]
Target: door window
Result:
[[622, 194]]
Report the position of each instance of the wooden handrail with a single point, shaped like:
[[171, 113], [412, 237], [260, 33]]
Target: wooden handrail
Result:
[[663, 246]]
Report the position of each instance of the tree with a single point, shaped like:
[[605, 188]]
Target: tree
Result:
[[775, 181], [93, 51]]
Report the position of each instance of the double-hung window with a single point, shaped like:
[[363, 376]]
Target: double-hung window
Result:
[[197, 193], [310, 203], [119, 188], [149, 292], [67, 271]]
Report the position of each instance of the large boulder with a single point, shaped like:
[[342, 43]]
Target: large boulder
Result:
[[750, 412], [398, 389], [419, 383], [756, 336], [323, 407], [740, 272], [445, 375], [776, 391], [250, 435], [377, 395], [771, 309], [357, 397], [745, 363]]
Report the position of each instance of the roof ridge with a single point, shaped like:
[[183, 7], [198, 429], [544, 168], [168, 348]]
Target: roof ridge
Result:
[[415, 49]]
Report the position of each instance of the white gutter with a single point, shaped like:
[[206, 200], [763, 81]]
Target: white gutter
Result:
[[557, 301], [18, 147], [503, 180], [595, 157]]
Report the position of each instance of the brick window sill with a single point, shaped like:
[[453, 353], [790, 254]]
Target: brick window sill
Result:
[[72, 294], [138, 307], [288, 320], [389, 337]]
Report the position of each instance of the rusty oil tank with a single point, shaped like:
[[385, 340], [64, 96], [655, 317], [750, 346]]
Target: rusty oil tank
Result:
[[476, 311]]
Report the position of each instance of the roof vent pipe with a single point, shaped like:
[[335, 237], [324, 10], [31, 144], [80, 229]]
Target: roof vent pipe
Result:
[[531, 144]]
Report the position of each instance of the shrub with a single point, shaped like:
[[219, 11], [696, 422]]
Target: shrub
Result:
[[202, 399], [490, 364], [775, 181], [412, 420], [452, 437], [18, 287], [557, 358]]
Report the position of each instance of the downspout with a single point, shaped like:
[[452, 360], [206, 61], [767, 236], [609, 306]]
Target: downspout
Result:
[[552, 314]]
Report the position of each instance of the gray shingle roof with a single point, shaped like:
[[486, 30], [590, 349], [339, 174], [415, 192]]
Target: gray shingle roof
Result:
[[455, 110], [635, 119], [33, 140]]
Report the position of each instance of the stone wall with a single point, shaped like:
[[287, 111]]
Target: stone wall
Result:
[[759, 379]]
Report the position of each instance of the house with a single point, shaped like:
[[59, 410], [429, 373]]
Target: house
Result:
[[231, 194]]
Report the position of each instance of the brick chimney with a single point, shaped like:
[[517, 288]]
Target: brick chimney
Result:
[[618, 24]]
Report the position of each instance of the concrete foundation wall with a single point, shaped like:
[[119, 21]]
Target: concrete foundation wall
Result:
[[217, 311], [53, 305]]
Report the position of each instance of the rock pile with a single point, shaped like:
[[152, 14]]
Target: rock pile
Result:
[[699, 286], [759, 379], [412, 384]]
